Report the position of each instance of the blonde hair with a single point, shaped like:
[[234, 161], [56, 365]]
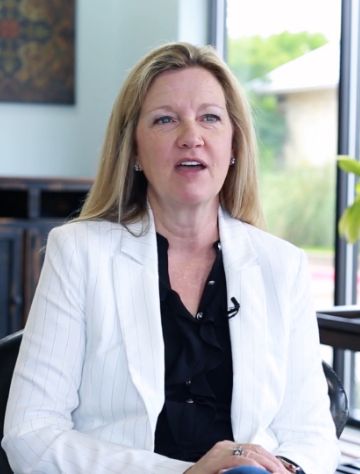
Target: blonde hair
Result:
[[119, 192]]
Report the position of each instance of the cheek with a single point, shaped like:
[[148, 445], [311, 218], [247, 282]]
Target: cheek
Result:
[[223, 149], [148, 145], [156, 152]]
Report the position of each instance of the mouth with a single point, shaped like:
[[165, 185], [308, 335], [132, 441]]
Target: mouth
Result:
[[190, 165]]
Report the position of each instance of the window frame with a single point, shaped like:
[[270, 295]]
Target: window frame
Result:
[[217, 10], [346, 255]]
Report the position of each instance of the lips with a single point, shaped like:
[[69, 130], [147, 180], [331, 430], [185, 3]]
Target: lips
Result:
[[190, 165]]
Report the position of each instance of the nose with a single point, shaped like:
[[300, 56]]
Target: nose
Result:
[[189, 136]]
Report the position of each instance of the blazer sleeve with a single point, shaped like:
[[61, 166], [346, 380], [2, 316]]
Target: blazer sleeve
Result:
[[303, 426], [39, 434]]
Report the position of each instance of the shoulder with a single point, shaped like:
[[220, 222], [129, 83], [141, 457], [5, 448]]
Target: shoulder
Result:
[[87, 234], [284, 266], [259, 239], [264, 247], [86, 228], [277, 252], [262, 239]]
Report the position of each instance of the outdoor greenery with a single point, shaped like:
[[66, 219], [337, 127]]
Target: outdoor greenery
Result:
[[349, 225], [252, 58], [299, 204], [298, 201]]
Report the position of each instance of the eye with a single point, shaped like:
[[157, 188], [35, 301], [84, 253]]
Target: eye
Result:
[[164, 119], [211, 118]]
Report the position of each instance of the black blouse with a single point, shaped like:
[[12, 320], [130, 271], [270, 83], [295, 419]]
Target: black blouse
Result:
[[198, 366]]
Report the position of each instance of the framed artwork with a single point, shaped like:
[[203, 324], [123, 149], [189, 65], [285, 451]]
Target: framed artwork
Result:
[[37, 51]]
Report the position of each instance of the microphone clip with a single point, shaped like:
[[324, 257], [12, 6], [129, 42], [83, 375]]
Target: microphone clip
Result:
[[231, 312]]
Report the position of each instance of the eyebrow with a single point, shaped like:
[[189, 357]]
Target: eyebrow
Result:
[[171, 109]]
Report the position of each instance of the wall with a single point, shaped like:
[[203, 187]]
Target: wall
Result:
[[48, 140], [311, 119]]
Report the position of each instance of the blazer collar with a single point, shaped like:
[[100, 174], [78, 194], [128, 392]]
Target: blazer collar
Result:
[[248, 329], [136, 289], [238, 250], [139, 242]]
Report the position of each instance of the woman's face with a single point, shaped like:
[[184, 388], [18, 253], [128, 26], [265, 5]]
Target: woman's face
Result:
[[184, 138]]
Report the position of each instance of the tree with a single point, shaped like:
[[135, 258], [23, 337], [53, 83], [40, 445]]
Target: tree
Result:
[[254, 57]]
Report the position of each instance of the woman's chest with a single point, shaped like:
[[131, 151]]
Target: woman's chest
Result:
[[188, 278]]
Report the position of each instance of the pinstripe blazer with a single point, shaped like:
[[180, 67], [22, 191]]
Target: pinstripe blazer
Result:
[[89, 381]]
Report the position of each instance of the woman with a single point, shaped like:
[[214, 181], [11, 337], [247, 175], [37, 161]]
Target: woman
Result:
[[168, 333]]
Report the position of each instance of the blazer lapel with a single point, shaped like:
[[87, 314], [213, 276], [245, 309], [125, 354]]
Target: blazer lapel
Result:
[[248, 329], [135, 271]]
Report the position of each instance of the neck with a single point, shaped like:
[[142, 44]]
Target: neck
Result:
[[187, 228]]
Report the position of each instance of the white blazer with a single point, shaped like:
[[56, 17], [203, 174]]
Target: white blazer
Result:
[[89, 381]]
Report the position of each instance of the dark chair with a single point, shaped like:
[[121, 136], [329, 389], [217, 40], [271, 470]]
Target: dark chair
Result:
[[338, 400], [9, 348]]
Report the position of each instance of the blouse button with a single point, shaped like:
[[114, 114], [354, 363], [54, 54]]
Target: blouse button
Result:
[[211, 282], [199, 315], [189, 400], [219, 245]]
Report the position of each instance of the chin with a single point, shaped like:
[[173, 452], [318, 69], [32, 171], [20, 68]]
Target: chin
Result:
[[196, 200]]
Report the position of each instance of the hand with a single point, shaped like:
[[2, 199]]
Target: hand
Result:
[[220, 458]]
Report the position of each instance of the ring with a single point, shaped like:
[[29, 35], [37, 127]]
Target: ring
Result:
[[238, 451]]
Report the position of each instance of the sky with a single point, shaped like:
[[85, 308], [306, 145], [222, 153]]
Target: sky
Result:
[[266, 17]]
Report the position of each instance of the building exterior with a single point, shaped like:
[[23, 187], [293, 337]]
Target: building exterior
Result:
[[307, 91]]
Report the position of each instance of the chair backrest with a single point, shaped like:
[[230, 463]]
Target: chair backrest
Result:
[[338, 400], [9, 349]]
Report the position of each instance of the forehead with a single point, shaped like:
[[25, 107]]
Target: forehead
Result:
[[193, 83]]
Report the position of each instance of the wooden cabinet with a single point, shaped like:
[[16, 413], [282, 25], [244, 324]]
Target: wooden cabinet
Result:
[[29, 208], [11, 298]]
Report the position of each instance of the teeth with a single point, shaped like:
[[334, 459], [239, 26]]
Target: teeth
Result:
[[190, 163]]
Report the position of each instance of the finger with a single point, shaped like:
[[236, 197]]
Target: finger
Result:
[[263, 457], [270, 463], [237, 461]]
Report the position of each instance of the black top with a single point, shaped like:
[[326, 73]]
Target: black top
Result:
[[198, 366]]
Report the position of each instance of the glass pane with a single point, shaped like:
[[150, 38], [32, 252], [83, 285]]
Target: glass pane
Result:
[[355, 387], [286, 55]]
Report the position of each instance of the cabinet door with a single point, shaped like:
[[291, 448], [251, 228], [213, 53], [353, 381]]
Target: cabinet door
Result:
[[11, 280]]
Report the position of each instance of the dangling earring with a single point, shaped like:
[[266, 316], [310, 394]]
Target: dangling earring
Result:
[[137, 166], [232, 161]]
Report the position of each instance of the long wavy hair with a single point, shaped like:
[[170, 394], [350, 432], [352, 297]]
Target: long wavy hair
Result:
[[119, 193]]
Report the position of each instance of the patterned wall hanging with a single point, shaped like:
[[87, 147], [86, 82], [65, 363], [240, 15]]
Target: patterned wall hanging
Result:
[[37, 51]]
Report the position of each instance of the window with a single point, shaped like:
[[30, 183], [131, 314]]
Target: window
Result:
[[289, 66], [347, 363], [304, 87]]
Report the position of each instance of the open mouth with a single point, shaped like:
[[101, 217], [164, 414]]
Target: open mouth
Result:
[[190, 164]]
